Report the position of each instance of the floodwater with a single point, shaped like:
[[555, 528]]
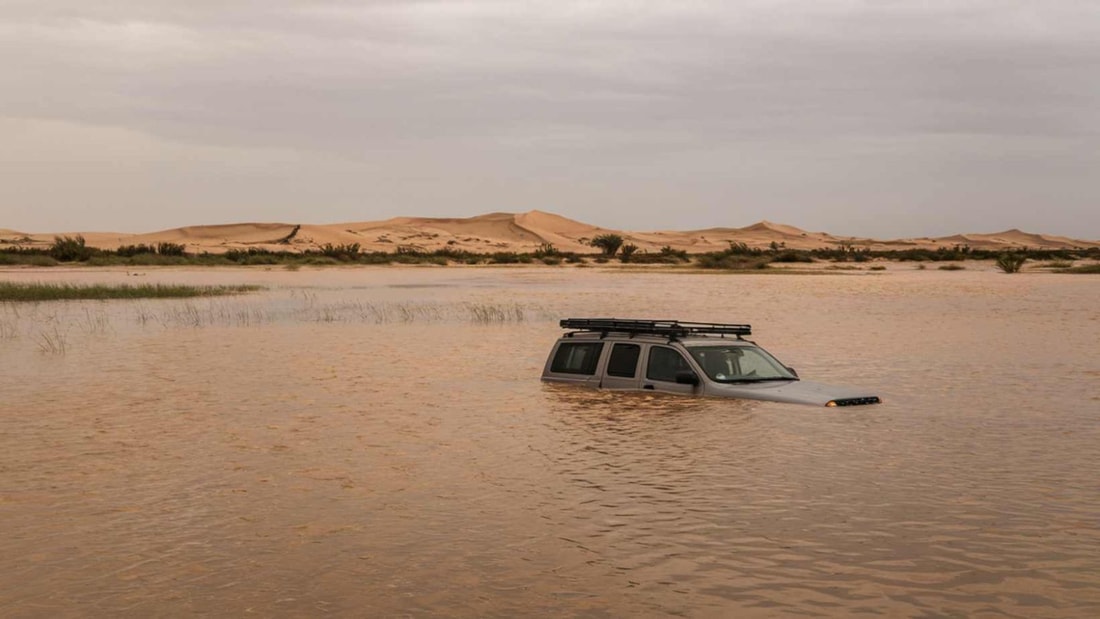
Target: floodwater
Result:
[[376, 442]]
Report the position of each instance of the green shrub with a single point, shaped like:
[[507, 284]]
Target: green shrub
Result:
[[791, 255], [510, 257], [627, 251], [37, 291], [345, 253], [1011, 262], [648, 258], [70, 249], [722, 260], [171, 249], [545, 250], [127, 251], [609, 244], [679, 255]]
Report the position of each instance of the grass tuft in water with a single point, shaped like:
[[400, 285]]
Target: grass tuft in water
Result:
[[486, 313], [52, 342], [38, 291], [1084, 268]]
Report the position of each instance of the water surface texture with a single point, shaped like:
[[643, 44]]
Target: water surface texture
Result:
[[376, 442]]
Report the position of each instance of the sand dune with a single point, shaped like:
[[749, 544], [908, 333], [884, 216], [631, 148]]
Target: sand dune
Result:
[[516, 232]]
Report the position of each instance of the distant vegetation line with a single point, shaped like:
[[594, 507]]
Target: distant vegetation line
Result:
[[38, 291], [738, 256]]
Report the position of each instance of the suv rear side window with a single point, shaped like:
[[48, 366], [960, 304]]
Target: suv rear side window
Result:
[[664, 363], [624, 360], [576, 358]]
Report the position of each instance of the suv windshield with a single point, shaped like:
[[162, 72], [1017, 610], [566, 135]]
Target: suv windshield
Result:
[[738, 364]]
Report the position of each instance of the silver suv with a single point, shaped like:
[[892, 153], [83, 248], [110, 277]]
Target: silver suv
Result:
[[692, 358]]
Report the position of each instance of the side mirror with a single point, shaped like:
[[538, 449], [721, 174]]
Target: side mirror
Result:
[[687, 377], [791, 370]]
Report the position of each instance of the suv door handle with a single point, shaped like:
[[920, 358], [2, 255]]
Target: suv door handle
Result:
[[648, 387]]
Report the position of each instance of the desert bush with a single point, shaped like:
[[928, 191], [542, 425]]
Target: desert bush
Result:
[[128, 251], [155, 260], [453, 254], [627, 251], [509, 257], [546, 249], [70, 249], [28, 258], [648, 258], [742, 249], [1011, 262], [609, 244], [722, 260], [791, 255], [345, 253], [738, 257], [171, 249], [679, 254], [952, 267], [257, 255]]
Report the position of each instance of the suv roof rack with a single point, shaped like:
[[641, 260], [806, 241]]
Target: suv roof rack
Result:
[[667, 328]]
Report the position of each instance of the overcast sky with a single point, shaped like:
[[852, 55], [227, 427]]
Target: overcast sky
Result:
[[881, 118]]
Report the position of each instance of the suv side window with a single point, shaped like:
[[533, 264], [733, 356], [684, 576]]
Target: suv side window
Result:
[[579, 358], [624, 360], [664, 363]]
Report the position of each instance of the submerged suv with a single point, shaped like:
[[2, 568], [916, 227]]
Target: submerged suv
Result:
[[701, 359]]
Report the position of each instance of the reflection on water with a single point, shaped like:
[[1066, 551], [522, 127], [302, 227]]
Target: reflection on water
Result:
[[291, 453]]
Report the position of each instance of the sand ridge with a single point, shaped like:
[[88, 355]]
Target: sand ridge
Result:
[[519, 232]]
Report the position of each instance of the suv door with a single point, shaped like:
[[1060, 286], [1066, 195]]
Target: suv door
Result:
[[662, 364], [621, 371]]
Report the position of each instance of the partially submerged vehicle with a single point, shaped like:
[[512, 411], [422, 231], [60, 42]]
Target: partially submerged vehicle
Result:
[[691, 358]]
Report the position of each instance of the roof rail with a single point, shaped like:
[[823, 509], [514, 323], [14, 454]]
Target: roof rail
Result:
[[667, 328]]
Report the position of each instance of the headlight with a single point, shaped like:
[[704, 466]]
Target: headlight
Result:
[[831, 403]]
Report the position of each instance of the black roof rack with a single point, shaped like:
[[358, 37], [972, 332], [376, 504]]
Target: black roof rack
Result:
[[667, 328]]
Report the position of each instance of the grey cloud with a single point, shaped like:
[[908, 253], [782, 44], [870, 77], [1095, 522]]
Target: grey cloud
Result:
[[818, 113]]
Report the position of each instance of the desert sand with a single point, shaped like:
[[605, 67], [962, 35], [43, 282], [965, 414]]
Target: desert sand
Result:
[[515, 232]]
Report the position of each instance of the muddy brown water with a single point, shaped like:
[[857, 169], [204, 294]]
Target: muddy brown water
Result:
[[376, 442]]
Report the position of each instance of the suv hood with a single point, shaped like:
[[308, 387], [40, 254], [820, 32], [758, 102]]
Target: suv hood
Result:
[[794, 392]]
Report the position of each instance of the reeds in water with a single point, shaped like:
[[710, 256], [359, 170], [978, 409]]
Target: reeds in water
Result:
[[52, 341], [487, 313], [39, 291]]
